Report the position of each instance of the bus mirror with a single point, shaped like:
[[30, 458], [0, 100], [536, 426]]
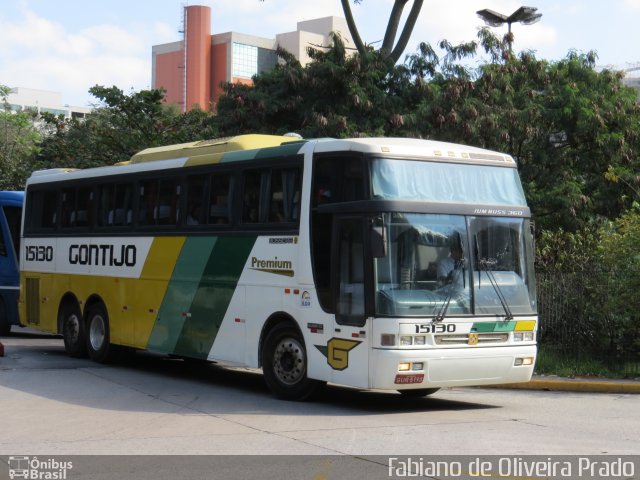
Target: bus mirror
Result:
[[378, 237]]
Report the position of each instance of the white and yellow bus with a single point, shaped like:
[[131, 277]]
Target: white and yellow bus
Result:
[[381, 263]]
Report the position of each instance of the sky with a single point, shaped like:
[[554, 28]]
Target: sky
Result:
[[70, 45]]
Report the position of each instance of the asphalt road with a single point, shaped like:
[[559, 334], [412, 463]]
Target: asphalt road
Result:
[[151, 405]]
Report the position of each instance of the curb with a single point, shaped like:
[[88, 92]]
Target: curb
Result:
[[577, 385]]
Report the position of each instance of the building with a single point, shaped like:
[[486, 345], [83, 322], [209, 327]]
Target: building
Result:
[[192, 69], [39, 101]]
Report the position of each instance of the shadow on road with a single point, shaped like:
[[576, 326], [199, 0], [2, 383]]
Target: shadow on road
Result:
[[140, 381]]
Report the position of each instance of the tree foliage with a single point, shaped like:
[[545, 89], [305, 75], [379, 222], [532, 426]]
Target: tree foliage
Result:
[[19, 139], [593, 276], [120, 126], [574, 131]]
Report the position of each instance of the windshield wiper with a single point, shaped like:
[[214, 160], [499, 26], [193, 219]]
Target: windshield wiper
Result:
[[458, 268], [484, 265]]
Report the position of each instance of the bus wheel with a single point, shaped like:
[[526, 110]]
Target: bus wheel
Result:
[[73, 330], [98, 346], [420, 392], [5, 326], [284, 364]]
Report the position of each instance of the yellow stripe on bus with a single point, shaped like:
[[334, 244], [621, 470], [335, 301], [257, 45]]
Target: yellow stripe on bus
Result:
[[525, 326], [152, 286]]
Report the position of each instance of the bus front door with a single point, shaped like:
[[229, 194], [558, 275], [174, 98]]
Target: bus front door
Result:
[[347, 349]]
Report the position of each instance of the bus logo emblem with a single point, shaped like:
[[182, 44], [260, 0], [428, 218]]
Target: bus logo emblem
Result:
[[337, 352], [473, 339]]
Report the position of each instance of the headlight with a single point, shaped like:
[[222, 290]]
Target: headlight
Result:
[[406, 340]]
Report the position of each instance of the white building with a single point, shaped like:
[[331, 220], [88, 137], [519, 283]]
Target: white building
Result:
[[314, 33], [29, 99]]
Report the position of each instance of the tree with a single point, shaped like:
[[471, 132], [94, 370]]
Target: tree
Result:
[[573, 130], [388, 50], [120, 126], [18, 141], [334, 95]]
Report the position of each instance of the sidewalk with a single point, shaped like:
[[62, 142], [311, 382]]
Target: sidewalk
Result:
[[579, 384]]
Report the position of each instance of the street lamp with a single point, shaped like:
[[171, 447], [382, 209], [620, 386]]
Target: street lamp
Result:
[[524, 15]]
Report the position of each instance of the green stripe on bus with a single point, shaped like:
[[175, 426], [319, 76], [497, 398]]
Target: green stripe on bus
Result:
[[282, 151], [214, 293], [238, 156], [285, 150], [181, 290], [483, 327]]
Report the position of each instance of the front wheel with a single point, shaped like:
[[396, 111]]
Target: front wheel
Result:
[[419, 392], [98, 339], [284, 364]]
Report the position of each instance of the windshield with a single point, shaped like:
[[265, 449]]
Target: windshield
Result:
[[440, 265], [446, 182]]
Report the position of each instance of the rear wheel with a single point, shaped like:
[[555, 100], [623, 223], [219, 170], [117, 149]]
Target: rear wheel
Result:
[[284, 363], [98, 339], [73, 332], [419, 392]]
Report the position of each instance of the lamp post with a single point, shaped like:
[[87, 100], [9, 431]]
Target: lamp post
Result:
[[524, 15]]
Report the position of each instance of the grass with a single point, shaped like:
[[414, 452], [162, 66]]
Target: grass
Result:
[[551, 362]]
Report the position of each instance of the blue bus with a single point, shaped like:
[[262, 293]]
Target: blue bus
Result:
[[10, 218]]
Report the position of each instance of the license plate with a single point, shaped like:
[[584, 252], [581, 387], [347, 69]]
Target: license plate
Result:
[[407, 379]]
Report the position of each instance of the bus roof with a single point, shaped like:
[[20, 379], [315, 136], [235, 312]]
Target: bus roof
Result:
[[255, 146], [10, 196], [210, 151], [417, 148]]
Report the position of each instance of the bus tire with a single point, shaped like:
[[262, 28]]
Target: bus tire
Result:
[[5, 326], [73, 332], [419, 392], [284, 364], [98, 339]]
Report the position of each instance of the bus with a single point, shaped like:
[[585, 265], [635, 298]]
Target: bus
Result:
[[379, 263], [10, 216]]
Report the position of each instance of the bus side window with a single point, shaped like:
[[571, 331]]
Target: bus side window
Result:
[[115, 205], [284, 195], [77, 207], [219, 211], [84, 208], [338, 179], [196, 191], [352, 181], [14, 217], [42, 215], [148, 191], [68, 207], [166, 211], [251, 197]]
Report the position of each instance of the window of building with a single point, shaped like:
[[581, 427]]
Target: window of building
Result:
[[244, 60]]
